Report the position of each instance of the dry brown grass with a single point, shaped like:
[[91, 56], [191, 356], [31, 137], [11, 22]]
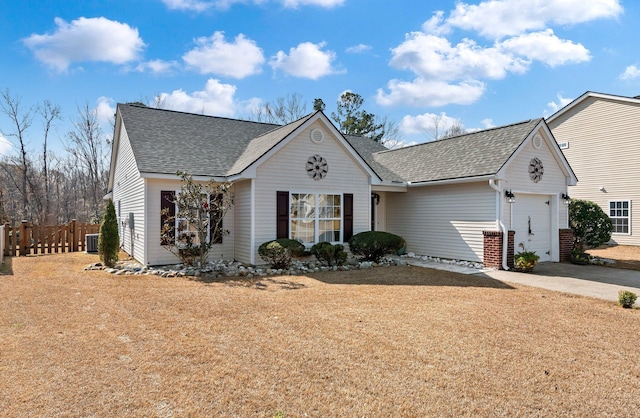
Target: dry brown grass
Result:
[[626, 256], [396, 341]]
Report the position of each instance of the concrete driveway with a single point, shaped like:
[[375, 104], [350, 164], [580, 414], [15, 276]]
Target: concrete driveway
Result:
[[594, 281]]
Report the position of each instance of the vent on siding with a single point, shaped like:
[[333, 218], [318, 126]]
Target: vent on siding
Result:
[[92, 242], [317, 135], [537, 141], [563, 145]]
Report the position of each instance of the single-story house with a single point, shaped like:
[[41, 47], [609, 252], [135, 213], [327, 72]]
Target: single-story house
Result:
[[473, 197], [600, 137]]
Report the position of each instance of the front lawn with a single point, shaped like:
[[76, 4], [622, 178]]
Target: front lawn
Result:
[[389, 341]]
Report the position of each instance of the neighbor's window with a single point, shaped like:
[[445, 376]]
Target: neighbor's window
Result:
[[315, 217], [620, 214]]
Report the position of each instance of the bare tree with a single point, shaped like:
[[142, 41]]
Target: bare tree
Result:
[[88, 146], [442, 126], [21, 121], [456, 128], [49, 113], [282, 111]]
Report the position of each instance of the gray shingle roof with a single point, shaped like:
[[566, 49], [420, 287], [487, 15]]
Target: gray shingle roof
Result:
[[165, 141], [465, 156]]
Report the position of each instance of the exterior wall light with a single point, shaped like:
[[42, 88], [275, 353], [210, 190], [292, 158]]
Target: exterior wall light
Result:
[[511, 198], [566, 199]]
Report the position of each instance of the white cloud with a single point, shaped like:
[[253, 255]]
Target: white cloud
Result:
[[498, 18], [237, 59], [434, 57], [421, 92], [553, 107], [307, 60], [216, 99], [86, 39], [358, 49], [5, 146], [202, 5], [105, 109], [425, 123], [322, 3], [447, 72], [632, 72], [157, 66], [194, 5], [487, 123], [546, 47]]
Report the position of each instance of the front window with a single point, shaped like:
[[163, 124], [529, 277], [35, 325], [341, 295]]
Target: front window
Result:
[[315, 217], [620, 214]]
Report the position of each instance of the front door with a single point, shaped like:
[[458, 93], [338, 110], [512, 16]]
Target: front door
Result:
[[532, 224]]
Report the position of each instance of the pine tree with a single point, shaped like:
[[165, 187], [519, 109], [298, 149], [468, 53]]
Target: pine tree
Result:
[[109, 241]]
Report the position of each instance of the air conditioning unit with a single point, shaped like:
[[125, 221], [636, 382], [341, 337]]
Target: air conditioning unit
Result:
[[92, 243]]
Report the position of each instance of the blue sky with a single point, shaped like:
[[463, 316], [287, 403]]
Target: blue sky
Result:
[[484, 63]]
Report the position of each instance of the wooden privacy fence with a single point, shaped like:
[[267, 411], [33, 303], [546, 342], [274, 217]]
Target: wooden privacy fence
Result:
[[28, 239]]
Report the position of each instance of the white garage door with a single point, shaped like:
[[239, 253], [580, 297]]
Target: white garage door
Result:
[[532, 223]]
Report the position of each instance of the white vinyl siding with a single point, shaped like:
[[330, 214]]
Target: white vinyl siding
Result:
[[603, 151], [242, 210], [443, 221], [156, 253], [553, 182], [128, 191], [286, 171]]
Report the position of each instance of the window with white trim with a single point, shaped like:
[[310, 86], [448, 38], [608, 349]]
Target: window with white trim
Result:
[[620, 214], [315, 217]]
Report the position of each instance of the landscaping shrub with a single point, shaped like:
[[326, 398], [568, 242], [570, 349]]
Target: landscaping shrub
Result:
[[373, 245], [109, 241], [295, 248], [591, 225], [334, 255], [626, 299], [278, 253]]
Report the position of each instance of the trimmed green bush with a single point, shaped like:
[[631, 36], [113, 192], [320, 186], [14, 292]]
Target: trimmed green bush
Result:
[[373, 245], [626, 299], [333, 255], [591, 225], [295, 248], [109, 241], [278, 253]]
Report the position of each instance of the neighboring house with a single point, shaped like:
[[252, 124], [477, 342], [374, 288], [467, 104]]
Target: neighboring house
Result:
[[307, 181], [600, 137]]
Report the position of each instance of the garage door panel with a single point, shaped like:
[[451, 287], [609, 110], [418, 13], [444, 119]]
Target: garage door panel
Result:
[[532, 224]]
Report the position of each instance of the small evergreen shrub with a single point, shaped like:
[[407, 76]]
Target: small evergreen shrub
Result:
[[295, 248], [591, 225], [108, 240], [626, 299], [373, 245], [275, 254], [333, 255]]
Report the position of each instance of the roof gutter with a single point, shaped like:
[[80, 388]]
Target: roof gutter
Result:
[[505, 232]]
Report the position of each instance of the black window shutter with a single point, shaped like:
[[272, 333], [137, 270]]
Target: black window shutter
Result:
[[348, 216], [168, 212], [216, 235], [282, 215]]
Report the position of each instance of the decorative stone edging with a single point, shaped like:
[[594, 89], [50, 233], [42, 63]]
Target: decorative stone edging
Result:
[[461, 263], [219, 268]]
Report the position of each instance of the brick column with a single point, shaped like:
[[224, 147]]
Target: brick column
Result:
[[510, 249], [493, 249], [566, 244]]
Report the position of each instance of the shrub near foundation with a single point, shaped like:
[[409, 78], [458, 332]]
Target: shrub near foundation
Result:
[[334, 255], [278, 253], [373, 245]]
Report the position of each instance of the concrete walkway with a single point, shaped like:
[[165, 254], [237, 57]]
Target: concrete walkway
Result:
[[594, 281]]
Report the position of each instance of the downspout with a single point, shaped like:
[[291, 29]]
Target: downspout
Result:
[[505, 232]]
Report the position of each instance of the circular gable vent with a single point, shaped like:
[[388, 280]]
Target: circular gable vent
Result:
[[536, 141], [317, 135]]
